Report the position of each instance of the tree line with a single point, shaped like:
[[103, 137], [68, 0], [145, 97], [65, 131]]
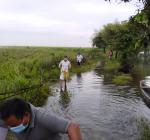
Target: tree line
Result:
[[126, 38]]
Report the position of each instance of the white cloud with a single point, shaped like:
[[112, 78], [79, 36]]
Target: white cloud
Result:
[[69, 22]]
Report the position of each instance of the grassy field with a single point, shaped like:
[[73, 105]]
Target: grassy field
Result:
[[28, 70]]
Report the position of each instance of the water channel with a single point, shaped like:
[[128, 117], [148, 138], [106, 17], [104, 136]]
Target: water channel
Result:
[[104, 111]]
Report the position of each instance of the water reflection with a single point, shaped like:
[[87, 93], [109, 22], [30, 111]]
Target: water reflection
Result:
[[79, 78], [64, 99], [103, 111]]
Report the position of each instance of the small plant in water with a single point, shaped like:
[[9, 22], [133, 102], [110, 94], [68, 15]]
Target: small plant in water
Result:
[[122, 79]]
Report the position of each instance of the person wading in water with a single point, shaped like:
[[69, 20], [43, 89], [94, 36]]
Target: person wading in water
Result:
[[64, 65]]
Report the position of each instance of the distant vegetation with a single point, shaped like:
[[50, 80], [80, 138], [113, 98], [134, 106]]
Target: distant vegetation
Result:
[[126, 38]]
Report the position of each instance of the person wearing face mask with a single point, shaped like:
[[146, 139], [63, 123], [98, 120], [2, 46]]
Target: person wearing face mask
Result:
[[32, 123], [64, 65]]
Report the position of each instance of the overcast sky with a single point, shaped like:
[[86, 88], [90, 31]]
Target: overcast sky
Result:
[[57, 22]]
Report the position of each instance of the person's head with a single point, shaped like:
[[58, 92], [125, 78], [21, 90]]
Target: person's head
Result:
[[15, 112], [65, 58], [78, 53]]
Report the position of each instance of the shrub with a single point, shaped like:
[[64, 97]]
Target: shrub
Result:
[[122, 79]]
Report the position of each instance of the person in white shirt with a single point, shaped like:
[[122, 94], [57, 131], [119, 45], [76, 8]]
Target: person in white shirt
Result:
[[79, 59], [64, 65]]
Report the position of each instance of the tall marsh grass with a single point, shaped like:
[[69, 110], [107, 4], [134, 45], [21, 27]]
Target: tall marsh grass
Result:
[[24, 67]]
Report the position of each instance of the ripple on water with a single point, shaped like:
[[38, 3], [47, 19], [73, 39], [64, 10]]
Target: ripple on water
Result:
[[104, 111]]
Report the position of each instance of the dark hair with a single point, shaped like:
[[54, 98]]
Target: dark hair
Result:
[[15, 106]]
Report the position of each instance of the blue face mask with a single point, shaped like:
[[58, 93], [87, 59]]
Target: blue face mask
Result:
[[18, 129]]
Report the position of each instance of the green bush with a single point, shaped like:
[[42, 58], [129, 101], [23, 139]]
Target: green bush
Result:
[[122, 79], [111, 66]]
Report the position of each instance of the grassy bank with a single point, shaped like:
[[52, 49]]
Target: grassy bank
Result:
[[28, 70], [112, 74]]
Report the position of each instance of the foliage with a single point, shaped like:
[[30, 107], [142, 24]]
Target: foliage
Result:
[[23, 68], [144, 1], [98, 41], [122, 79], [142, 21], [120, 37], [111, 66]]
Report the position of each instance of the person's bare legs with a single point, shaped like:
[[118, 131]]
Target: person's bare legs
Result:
[[61, 85], [65, 82]]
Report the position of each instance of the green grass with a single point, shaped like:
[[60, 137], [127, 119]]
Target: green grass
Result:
[[112, 74], [111, 66], [24, 67], [122, 79]]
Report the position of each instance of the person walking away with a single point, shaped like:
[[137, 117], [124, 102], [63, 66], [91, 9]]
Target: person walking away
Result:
[[110, 54], [28, 122], [64, 65], [79, 58]]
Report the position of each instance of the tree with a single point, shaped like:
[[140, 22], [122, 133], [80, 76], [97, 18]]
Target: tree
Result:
[[98, 41], [142, 22], [126, 38], [121, 38], [144, 1]]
